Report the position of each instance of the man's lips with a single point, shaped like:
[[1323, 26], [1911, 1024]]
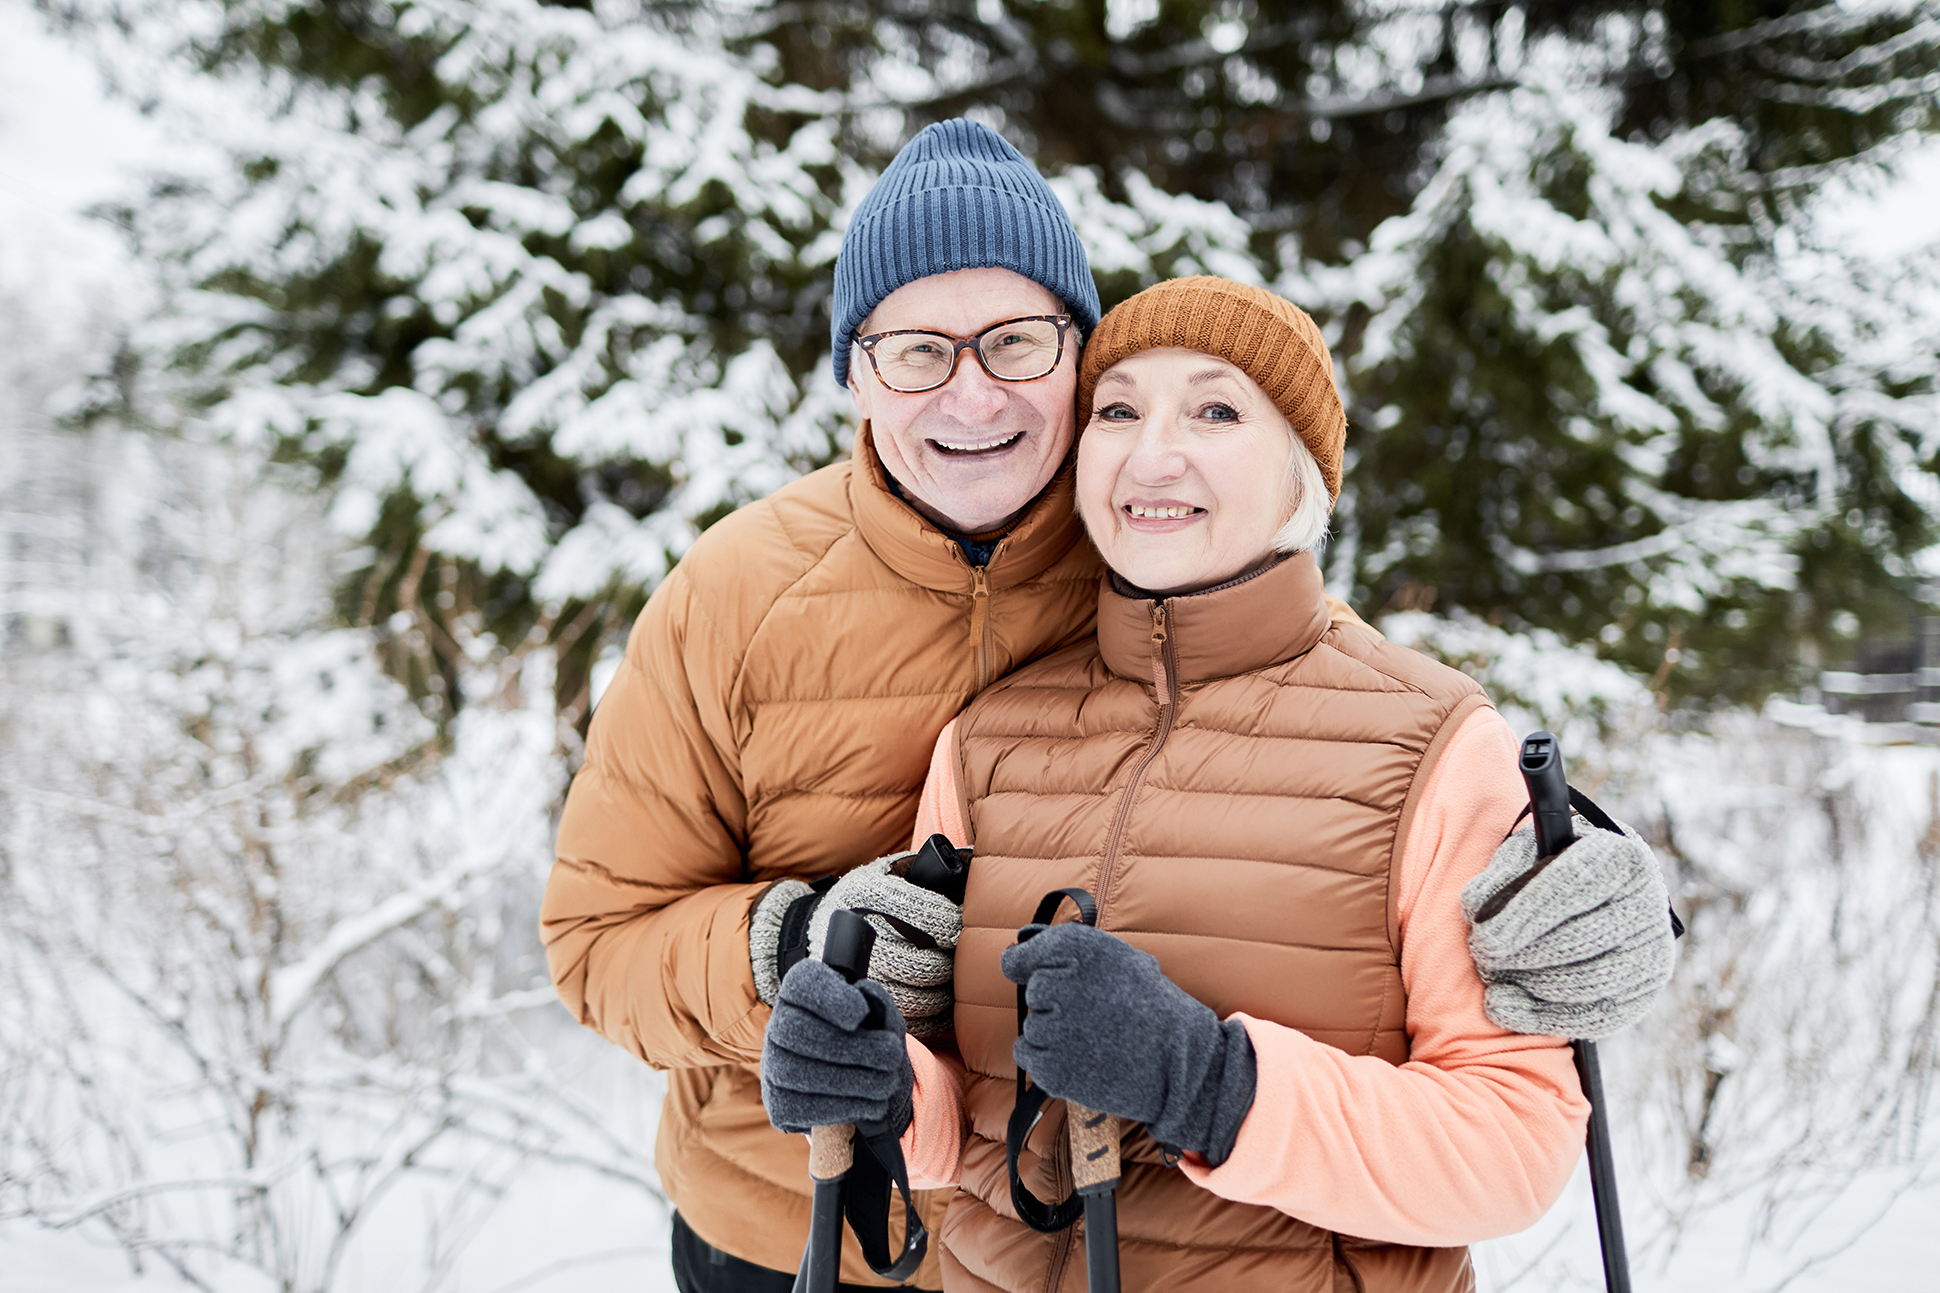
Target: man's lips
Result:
[[970, 448]]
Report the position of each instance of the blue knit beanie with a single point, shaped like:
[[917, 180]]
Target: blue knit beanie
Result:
[[956, 197]]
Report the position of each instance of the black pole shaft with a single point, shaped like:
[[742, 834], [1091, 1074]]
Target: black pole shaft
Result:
[[1603, 1173], [1541, 761], [1101, 1241]]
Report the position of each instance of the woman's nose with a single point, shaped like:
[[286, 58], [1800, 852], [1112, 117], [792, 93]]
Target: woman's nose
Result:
[[1156, 456]]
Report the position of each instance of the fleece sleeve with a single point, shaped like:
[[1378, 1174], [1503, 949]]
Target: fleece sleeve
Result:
[[1476, 1135], [645, 915], [933, 1145]]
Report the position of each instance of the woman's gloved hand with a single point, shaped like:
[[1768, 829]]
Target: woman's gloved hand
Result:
[[1107, 1030], [916, 936], [1584, 947], [820, 1066]]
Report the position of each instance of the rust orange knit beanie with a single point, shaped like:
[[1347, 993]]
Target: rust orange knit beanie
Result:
[[1268, 338]]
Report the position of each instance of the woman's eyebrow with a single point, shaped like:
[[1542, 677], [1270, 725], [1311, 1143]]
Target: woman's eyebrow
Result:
[[1205, 375], [1113, 375]]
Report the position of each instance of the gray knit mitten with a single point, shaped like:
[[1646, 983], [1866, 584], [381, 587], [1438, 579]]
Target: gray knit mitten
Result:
[[916, 937], [1583, 948]]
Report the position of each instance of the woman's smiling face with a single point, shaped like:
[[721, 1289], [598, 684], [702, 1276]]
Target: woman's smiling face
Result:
[[1183, 470]]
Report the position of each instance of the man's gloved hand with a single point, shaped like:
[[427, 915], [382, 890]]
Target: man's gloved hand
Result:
[[916, 936], [1107, 1030], [1584, 947], [820, 1066]]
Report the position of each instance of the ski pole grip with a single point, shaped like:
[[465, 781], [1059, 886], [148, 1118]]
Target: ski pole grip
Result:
[[1094, 1149], [941, 867], [1549, 793], [831, 1149]]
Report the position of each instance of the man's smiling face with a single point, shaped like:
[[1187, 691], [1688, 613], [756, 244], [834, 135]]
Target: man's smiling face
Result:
[[973, 453]]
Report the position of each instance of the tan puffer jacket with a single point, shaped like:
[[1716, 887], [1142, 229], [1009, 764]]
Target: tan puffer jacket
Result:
[[773, 718], [1232, 775]]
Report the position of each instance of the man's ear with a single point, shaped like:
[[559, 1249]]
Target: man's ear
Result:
[[855, 393], [856, 360]]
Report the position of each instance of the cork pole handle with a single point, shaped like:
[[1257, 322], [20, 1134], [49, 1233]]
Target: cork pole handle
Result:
[[831, 1151], [846, 949], [1094, 1149]]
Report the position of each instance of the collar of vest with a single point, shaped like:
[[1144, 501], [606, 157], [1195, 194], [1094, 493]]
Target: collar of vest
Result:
[[926, 556], [1275, 616]]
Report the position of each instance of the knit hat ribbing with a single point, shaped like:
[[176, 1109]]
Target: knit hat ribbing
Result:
[[1268, 338], [956, 197]]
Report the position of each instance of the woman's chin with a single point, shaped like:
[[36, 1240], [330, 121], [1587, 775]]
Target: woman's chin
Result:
[[1174, 575]]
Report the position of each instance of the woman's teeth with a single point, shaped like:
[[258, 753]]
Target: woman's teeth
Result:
[[1159, 513], [978, 448]]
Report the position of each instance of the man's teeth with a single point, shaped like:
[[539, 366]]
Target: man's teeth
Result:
[[978, 448], [1159, 513]]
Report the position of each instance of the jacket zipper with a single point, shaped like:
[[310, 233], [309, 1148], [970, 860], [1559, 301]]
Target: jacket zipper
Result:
[[980, 623], [1165, 686], [983, 630]]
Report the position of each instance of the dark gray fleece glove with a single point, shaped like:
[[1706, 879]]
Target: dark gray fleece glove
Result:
[[1107, 1030], [1584, 947], [820, 1066]]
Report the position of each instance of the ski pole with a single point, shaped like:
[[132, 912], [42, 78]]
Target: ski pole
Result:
[[1094, 1170], [941, 867], [831, 1149], [1549, 801]]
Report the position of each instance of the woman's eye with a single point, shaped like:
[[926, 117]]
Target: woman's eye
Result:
[[1217, 412], [1115, 413]]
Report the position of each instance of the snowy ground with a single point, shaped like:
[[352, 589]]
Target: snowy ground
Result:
[[65, 278]]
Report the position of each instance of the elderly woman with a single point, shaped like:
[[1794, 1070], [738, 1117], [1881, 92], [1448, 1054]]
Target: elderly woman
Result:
[[1276, 811]]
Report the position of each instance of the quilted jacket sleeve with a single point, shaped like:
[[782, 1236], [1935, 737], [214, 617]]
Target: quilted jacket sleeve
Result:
[[645, 918]]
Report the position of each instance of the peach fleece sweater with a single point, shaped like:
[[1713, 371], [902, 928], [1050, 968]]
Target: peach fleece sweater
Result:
[[1475, 1136]]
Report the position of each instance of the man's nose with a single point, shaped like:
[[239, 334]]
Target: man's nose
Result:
[[972, 396]]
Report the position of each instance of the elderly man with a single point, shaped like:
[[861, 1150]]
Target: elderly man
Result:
[[772, 722]]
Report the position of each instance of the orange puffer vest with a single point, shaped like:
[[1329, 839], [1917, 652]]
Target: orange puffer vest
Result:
[[1232, 774]]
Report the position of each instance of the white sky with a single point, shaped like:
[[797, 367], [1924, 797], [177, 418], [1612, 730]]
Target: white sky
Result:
[[63, 145]]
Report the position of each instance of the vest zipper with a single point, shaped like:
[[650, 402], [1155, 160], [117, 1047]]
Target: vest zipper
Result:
[[1060, 1255], [1165, 686], [1165, 675]]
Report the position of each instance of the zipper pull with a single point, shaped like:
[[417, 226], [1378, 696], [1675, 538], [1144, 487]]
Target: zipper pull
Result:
[[979, 581], [1158, 653]]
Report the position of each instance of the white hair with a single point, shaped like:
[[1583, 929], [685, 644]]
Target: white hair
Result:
[[1306, 529]]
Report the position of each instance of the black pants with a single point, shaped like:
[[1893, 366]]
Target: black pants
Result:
[[700, 1267]]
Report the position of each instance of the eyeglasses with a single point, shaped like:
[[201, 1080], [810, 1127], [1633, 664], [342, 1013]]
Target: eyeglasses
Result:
[[910, 361]]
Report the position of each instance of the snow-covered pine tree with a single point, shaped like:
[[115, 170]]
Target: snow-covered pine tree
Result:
[[540, 287], [536, 290], [1602, 388]]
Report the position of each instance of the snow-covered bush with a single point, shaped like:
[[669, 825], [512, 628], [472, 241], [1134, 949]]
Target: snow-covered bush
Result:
[[267, 952]]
